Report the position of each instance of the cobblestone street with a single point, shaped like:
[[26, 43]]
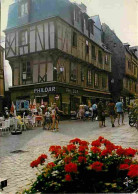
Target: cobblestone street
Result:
[[15, 166]]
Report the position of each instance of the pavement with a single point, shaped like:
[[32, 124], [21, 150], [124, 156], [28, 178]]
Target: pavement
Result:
[[17, 151]]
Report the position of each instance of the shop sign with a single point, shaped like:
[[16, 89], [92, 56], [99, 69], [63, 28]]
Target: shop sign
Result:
[[45, 90], [72, 91]]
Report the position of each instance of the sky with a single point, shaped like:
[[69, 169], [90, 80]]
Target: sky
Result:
[[120, 15]]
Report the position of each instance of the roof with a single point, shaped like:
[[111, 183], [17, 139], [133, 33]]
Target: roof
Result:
[[97, 21]]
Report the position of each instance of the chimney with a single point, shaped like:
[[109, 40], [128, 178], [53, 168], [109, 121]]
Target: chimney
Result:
[[83, 8]]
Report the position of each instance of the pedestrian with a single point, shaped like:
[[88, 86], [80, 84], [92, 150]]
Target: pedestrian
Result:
[[111, 108], [120, 112], [101, 114], [53, 115], [57, 115], [47, 121], [94, 108]]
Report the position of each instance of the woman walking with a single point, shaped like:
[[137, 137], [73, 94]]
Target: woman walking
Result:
[[111, 108], [101, 114]]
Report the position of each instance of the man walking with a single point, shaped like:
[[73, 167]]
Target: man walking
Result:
[[120, 112], [94, 108]]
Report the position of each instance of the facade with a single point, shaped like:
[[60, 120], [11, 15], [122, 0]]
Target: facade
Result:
[[1, 78], [122, 82], [56, 54]]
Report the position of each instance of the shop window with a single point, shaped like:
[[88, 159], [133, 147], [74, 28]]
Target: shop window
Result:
[[73, 72], [26, 70], [23, 37], [96, 80], [100, 60], [87, 47], [93, 52], [23, 8], [89, 77], [74, 39], [82, 73]]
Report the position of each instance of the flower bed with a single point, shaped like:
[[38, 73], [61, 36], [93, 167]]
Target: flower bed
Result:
[[83, 167]]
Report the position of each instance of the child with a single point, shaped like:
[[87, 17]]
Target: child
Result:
[[47, 119]]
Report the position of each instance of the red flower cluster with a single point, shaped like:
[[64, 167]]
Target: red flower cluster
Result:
[[67, 159], [76, 140], [51, 165], [120, 151], [96, 143], [97, 166], [84, 143], [123, 166], [68, 177], [71, 167], [127, 161], [71, 147], [106, 152], [82, 148], [130, 152], [54, 149], [95, 150], [133, 171], [82, 159], [100, 138], [40, 160]]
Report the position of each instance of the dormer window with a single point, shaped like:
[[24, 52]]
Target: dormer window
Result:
[[23, 8], [91, 28], [76, 15], [85, 24], [23, 37]]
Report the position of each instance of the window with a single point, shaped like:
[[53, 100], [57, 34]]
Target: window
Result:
[[91, 28], [89, 77], [104, 81], [82, 73], [23, 37], [87, 47], [93, 52], [85, 24], [96, 80], [23, 8], [129, 65], [73, 72], [76, 15], [100, 57], [74, 40], [26, 70], [106, 59]]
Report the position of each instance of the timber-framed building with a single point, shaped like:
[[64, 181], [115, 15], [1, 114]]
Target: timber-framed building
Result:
[[56, 53]]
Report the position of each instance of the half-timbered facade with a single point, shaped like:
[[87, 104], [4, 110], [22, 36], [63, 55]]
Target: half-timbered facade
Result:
[[59, 54]]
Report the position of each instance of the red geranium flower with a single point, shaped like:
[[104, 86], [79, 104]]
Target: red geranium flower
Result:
[[120, 151], [106, 152], [100, 138], [54, 148], [71, 147], [35, 163], [42, 158], [95, 150], [51, 165], [84, 143], [96, 143], [71, 167], [68, 177], [127, 161], [130, 152], [67, 159], [97, 166], [81, 159], [133, 171], [123, 166], [76, 140], [82, 148]]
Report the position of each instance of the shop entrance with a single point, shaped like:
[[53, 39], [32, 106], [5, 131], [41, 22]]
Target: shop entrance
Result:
[[44, 98], [75, 102]]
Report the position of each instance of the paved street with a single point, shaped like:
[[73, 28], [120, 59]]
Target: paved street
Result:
[[15, 166]]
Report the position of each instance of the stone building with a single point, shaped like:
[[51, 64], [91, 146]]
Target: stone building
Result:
[[122, 81], [1, 77], [56, 54]]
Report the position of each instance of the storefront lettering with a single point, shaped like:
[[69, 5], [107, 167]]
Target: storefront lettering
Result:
[[72, 91], [45, 90]]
